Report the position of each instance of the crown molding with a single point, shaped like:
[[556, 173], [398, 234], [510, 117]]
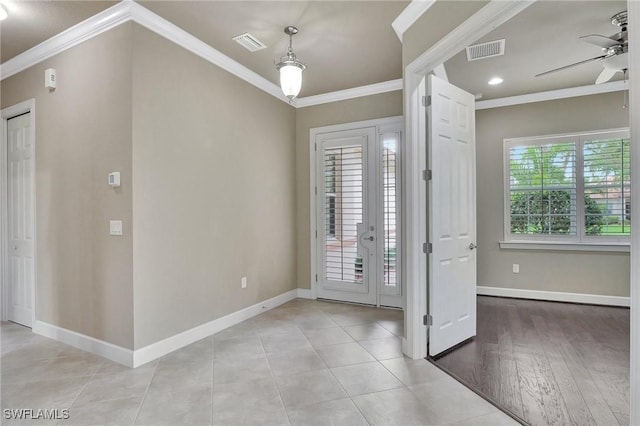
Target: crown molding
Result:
[[172, 32], [572, 92], [355, 92], [409, 15], [131, 11], [85, 30]]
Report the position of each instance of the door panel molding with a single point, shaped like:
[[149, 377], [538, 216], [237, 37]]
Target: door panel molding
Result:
[[28, 106]]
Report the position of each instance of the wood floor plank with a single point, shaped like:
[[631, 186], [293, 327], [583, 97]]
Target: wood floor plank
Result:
[[549, 363]]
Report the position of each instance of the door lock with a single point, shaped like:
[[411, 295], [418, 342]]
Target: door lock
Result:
[[370, 238], [472, 246]]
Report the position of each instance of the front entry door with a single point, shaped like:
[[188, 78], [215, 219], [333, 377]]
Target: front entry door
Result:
[[357, 210], [21, 244], [346, 214]]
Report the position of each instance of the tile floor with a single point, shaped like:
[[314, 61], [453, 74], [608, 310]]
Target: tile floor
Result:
[[303, 363]]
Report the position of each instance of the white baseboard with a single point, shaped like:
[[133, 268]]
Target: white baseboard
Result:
[[156, 350], [305, 293], [593, 299], [86, 343], [141, 356]]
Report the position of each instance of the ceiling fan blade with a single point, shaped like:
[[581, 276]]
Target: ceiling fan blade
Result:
[[606, 75], [600, 40], [597, 58]]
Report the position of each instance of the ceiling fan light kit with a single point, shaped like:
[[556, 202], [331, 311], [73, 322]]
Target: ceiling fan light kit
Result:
[[615, 51], [290, 68]]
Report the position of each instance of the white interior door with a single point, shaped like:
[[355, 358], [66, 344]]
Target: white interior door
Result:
[[452, 215], [346, 215], [21, 229]]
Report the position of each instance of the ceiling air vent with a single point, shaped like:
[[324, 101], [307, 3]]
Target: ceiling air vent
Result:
[[249, 42], [485, 50]]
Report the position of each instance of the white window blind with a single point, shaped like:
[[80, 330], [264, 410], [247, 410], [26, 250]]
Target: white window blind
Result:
[[572, 188], [343, 188], [607, 186]]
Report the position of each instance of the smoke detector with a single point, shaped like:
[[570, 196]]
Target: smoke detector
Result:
[[249, 42]]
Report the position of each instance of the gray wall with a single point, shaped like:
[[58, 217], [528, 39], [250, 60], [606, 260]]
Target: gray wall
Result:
[[83, 132], [563, 271], [358, 109], [214, 193]]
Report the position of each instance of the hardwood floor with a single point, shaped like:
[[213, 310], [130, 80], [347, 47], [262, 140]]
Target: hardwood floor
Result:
[[549, 363]]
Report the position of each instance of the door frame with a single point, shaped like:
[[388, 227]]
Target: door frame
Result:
[[381, 125], [28, 106], [494, 14]]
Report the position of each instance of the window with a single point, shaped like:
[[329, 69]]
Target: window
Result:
[[573, 188]]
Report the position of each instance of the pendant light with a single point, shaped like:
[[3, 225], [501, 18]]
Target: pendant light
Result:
[[290, 68]]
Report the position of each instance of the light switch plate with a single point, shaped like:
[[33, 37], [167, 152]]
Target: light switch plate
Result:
[[115, 227]]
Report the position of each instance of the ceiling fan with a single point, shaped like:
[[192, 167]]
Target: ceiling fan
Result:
[[615, 58]]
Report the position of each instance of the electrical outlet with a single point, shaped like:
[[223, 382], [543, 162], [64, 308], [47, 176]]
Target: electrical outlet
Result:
[[516, 268], [243, 282]]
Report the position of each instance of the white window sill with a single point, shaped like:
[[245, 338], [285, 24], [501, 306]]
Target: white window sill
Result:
[[559, 245]]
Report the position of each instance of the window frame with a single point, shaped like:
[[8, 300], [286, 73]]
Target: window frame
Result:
[[580, 238]]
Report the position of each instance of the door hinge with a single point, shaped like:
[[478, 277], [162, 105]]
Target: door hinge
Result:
[[427, 175], [427, 320], [316, 277], [316, 234], [426, 101], [316, 190], [315, 146], [427, 248]]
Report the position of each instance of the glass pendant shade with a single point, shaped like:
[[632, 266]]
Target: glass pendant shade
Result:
[[290, 80], [290, 69]]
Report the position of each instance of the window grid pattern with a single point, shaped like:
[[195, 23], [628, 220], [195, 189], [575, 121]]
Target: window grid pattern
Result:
[[575, 188]]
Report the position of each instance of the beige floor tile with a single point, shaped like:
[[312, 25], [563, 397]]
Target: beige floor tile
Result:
[[339, 412], [308, 388], [248, 403], [413, 371], [365, 378], [381, 349], [395, 407], [367, 332], [233, 370], [114, 412], [344, 354], [327, 336], [296, 361]]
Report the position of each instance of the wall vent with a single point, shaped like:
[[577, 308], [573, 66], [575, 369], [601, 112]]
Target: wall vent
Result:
[[249, 42], [485, 50]]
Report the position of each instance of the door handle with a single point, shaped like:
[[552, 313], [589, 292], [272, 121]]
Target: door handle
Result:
[[472, 246], [371, 238]]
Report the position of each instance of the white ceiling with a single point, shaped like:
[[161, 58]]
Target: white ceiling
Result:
[[32, 22], [348, 44], [542, 37]]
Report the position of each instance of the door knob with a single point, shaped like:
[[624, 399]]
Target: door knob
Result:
[[472, 246]]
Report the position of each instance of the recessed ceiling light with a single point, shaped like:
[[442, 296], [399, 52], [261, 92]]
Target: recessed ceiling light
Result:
[[3, 13], [495, 80]]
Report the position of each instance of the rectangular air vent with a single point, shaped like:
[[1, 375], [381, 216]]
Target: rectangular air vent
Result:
[[485, 50], [249, 42]]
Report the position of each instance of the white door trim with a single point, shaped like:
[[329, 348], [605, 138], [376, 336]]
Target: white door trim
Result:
[[7, 113], [380, 124], [481, 23], [633, 10]]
